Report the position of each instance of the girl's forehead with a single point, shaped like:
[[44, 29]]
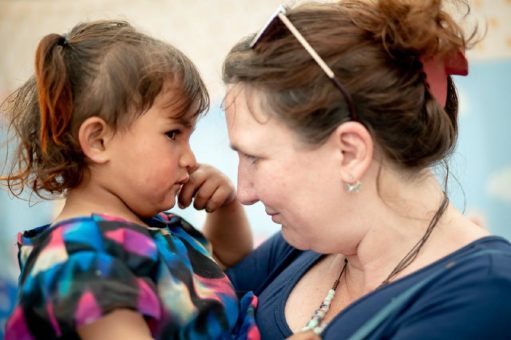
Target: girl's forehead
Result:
[[176, 106], [187, 119]]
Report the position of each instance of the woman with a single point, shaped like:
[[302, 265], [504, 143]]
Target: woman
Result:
[[337, 132]]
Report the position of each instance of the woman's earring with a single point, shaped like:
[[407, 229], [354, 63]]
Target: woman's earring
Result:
[[352, 187]]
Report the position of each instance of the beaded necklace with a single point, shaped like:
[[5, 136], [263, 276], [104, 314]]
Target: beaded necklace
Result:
[[315, 324]]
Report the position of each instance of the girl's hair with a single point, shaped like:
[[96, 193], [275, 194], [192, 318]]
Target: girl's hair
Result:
[[375, 50], [105, 69]]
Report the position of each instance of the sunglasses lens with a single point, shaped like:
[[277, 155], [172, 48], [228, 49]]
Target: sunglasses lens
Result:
[[268, 31]]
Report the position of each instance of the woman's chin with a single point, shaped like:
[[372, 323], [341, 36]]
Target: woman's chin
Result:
[[293, 239]]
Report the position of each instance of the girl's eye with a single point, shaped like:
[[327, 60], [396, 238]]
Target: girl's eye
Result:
[[172, 134]]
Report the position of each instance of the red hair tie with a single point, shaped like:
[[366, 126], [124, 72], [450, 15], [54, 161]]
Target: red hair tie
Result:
[[438, 68]]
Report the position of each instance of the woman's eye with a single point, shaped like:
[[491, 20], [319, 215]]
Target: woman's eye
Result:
[[252, 159], [172, 134]]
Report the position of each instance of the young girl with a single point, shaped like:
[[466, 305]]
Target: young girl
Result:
[[106, 122]]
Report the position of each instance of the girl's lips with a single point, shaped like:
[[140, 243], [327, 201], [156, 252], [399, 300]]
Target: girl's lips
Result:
[[183, 180]]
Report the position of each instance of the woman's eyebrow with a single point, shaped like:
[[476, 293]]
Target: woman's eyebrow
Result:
[[234, 147]]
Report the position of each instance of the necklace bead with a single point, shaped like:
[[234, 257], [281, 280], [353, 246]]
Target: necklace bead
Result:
[[316, 323]]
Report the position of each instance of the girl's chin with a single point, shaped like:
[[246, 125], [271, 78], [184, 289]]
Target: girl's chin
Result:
[[172, 204], [169, 203]]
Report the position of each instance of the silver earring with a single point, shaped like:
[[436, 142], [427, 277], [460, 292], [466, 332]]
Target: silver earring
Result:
[[353, 187]]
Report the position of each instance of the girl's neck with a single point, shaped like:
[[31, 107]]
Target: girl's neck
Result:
[[84, 201]]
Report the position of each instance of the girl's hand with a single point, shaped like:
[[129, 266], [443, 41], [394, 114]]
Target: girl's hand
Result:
[[208, 188], [226, 226]]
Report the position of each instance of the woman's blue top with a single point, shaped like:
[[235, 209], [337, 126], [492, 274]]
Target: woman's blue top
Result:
[[465, 296]]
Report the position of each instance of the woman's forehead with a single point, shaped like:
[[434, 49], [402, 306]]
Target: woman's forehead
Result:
[[244, 99]]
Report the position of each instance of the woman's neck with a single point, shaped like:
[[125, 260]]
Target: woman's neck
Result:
[[396, 223]]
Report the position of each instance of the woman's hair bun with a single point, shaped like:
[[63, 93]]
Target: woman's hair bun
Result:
[[420, 27]]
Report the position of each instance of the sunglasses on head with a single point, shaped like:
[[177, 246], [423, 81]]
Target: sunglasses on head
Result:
[[269, 28]]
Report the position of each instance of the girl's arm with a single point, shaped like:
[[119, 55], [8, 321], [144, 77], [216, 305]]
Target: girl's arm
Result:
[[226, 226], [229, 232], [122, 324]]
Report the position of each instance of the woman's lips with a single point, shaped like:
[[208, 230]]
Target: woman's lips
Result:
[[274, 216]]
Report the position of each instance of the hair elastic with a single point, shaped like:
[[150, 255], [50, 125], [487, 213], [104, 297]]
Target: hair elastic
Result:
[[63, 41], [437, 70]]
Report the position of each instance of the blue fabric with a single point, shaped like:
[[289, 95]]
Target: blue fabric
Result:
[[471, 299], [7, 301]]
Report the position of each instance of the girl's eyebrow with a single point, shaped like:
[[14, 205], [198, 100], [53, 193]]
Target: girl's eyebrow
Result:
[[187, 122]]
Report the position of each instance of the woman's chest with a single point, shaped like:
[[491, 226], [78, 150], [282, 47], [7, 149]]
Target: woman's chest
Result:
[[288, 303], [318, 295]]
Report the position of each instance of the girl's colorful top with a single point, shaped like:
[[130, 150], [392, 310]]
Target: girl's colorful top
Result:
[[79, 270]]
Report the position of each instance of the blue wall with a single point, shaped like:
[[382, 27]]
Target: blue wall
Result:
[[482, 162]]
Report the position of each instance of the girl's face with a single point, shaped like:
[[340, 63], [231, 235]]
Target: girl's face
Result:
[[296, 183], [152, 158]]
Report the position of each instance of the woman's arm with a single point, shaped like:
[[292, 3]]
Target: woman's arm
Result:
[[262, 265]]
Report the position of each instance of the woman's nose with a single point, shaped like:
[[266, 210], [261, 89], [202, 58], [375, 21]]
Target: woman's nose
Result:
[[246, 192]]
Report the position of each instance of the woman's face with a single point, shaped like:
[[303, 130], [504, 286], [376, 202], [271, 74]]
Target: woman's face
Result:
[[295, 182]]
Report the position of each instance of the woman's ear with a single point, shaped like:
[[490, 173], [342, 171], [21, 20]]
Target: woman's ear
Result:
[[93, 135], [356, 146]]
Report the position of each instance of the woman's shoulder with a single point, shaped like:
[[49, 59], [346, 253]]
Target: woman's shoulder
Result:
[[478, 274], [490, 252], [467, 294], [471, 286], [483, 264], [477, 264]]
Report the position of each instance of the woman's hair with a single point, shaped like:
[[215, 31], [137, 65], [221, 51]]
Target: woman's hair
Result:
[[105, 69], [375, 50]]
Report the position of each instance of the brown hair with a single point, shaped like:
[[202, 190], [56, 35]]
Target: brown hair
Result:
[[375, 50], [104, 68]]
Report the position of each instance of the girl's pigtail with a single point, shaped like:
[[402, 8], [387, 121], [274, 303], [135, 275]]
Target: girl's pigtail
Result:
[[53, 88]]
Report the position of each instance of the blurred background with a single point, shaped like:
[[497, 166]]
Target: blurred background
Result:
[[205, 30]]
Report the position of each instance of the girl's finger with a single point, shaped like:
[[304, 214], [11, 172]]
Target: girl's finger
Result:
[[224, 194], [204, 192]]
